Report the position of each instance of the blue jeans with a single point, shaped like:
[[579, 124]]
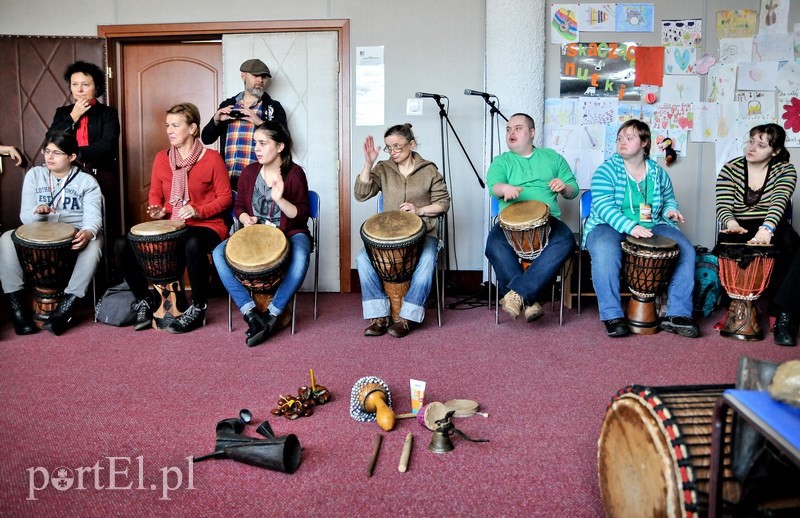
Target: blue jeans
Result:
[[540, 274], [603, 243], [374, 301], [299, 256]]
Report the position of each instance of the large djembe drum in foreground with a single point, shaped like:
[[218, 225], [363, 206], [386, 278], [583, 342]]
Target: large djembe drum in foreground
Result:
[[393, 241], [648, 264], [257, 256], [654, 452], [160, 251], [744, 271], [45, 253], [526, 227]]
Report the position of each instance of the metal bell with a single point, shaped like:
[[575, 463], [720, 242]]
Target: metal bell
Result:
[[440, 442]]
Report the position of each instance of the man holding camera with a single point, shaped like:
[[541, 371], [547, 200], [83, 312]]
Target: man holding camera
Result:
[[233, 123]]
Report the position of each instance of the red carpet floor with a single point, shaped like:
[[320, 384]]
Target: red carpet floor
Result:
[[152, 399]]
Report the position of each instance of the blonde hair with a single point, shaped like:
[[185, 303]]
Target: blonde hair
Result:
[[190, 112]]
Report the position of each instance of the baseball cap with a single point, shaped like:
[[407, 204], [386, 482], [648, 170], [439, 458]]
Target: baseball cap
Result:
[[255, 67]]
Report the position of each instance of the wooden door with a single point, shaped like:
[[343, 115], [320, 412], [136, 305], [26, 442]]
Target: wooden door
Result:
[[155, 77]]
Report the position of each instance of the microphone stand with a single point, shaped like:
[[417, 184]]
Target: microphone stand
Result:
[[442, 118], [493, 110]]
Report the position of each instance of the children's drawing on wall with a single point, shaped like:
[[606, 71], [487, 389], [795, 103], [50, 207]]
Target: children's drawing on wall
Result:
[[705, 117], [599, 70], [671, 116], [755, 108], [721, 83], [561, 111], [735, 50], [634, 18], [583, 164], [561, 138], [593, 137], [679, 59], [682, 32], [726, 125], [669, 141], [626, 112], [598, 110], [789, 108], [681, 89], [736, 23], [788, 77], [773, 17], [797, 41], [596, 17], [773, 47], [563, 23], [757, 75]]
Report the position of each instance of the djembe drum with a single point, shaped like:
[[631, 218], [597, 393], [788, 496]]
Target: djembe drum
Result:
[[526, 227], [393, 241], [257, 256], [648, 264], [159, 249], [654, 452], [744, 271], [45, 253]]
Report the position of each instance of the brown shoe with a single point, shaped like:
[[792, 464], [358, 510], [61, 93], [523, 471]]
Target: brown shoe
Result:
[[534, 312], [400, 328], [377, 327], [512, 304]]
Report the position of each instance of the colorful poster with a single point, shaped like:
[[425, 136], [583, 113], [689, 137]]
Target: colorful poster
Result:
[[599, 69], [789, 116], [757, 75], [563, 23], [598, 110], [735, 50], [561, 111], [682, 32], [670, 116], [738, 23], [773, 17], [596, 17], [721, 84], [680, 59], [681, 89], [635, 18], [773, 47]]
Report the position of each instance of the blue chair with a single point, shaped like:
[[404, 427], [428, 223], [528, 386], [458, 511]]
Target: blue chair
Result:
[[494, 211], [585, 208]]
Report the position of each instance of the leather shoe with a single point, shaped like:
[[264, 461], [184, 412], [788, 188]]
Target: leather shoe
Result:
[[20, 316], [377, 327], [400, 328], [534, 312], [785, 330], [59, 320], [257, 330], [616, 327]]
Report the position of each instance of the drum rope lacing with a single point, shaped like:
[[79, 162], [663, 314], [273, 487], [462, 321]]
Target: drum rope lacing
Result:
[[727, 276]]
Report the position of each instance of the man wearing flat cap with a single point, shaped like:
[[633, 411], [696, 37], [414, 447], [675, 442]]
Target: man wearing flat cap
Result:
[[237, 117]]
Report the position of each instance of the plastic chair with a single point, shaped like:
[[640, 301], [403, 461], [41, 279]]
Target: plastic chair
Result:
[[494, 211], [314, 214], [441, 236]]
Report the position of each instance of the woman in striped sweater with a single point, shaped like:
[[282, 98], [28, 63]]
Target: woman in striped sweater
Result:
[[632, 195], [754, 195]]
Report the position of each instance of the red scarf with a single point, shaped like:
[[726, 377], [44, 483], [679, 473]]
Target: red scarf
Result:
[[82, 133], [179, 193]]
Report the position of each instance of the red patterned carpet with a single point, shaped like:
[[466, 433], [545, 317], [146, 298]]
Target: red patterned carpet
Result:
[[151, 399]]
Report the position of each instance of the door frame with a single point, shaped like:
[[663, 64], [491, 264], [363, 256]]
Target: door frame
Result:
[[118, 35]]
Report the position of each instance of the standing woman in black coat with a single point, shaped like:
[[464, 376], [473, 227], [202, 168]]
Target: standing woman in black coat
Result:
[[96, 127]]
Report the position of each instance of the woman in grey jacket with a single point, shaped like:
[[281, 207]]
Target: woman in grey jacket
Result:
[[56, 191]]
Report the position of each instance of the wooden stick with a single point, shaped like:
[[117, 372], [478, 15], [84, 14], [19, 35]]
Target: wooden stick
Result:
[[313, 385], [405, 416], [403, 466], [375, 450]]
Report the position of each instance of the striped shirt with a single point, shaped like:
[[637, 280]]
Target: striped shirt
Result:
[[731, 186], [608, 196]]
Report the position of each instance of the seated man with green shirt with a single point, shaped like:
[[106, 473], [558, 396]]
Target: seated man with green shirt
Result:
[[527, 173]]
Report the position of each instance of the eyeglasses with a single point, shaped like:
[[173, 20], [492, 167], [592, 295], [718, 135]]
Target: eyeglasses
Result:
[[53, 152], [396, 148]]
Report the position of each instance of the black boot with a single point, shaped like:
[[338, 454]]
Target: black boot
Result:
[[257, 330], [60, 318], [20, 316], [144, 314], [785, 330], [192, 318]]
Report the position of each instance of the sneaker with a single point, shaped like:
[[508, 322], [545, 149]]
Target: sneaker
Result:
[[377, 327], [534, 312], [785, 331], [616, 327], [400, 328], [512, 304], [683, 326], [144, 315], [191, 319]]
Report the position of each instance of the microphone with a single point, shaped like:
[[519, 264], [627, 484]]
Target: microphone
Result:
[[434, 96], [476, 92]]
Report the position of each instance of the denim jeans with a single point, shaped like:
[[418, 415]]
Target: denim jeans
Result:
[[540, 274], [299, 256], [603, 243], [374, 301]]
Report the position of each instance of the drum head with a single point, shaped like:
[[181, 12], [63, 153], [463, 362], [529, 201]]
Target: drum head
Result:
[[394, 226], [256, 248], [431, 413], [744, 251], [462, 407], [157, 228], [659, 242], [528, 213], [46, 232]]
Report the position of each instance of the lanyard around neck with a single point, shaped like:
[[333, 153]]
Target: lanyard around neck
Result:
[[70, 176]]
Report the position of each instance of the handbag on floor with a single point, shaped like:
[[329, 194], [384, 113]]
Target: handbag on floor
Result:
[[114, 307]]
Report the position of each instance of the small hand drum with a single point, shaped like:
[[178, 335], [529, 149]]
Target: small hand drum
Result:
[[648, 264], [45, 253], [393, 241], [159, 249], [744, 271], [257, 256], [526, 227]]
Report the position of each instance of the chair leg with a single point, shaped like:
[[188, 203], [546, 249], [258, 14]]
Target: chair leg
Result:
[[561, 310], [438, 297], [580, 276], [496, 306], [230, 316], [316, 277], [94, 297], [489, 280], [294, 308]]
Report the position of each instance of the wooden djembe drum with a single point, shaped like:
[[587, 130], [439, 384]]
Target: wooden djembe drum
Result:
[[526, 227], [648, 264], [744, 271], [257, 256]]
